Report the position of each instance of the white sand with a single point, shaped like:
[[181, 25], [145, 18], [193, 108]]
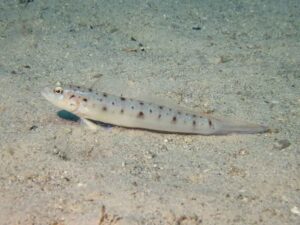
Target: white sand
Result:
[[243, 62]]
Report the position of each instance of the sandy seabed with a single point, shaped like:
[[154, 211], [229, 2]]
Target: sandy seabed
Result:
[[236, 59]]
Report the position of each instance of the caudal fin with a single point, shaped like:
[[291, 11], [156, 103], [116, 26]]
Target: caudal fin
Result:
[[228, 126]]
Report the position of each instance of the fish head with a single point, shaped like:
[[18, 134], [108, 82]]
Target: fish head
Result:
[[63, 98]]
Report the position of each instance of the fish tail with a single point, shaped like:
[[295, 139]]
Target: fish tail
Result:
[[228, 126]]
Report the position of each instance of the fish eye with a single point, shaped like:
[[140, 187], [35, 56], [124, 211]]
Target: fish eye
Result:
[[58, 90]]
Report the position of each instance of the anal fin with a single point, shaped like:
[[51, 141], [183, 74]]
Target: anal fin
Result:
[[89, 124]]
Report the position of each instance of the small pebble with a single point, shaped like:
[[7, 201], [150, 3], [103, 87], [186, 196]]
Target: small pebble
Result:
[[25, 1], [26, 66], [196, 28], [223, 59], [282, 144], [81, 184], [34, 127], [295, 210]]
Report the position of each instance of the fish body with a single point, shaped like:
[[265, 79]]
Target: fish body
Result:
[[131, 113]]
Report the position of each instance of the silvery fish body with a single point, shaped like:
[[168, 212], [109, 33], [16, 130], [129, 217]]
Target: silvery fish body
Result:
[[127, 112]]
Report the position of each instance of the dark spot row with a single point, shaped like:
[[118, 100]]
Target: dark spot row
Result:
[[84, 99], [142, 115]]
